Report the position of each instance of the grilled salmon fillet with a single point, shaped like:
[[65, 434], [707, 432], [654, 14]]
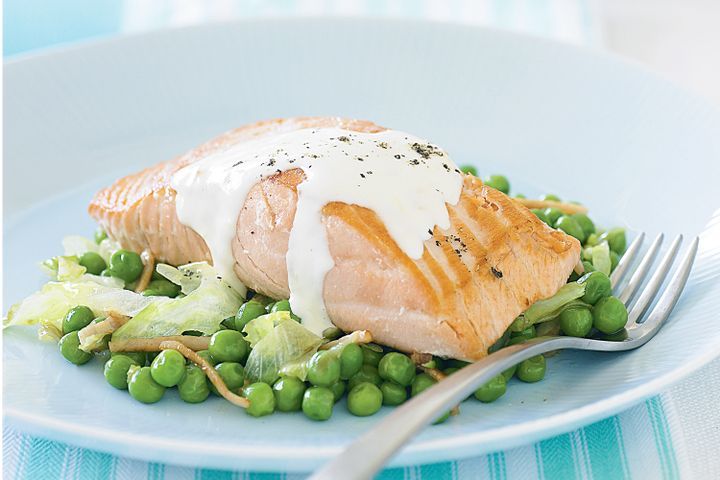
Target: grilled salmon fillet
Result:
[[496, 259]]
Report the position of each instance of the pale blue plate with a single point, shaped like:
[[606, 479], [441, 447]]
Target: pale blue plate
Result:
[[638, 151]]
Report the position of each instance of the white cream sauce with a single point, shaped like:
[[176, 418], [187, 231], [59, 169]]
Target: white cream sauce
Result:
[[404, 179]]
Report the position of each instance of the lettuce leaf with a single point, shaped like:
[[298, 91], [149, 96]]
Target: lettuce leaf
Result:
[[49, 305], [601, 258], [549, 308], [279, 342], [201, 310], [262, 326], [187, 279]]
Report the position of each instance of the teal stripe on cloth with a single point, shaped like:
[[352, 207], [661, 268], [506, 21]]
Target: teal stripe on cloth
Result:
[[441, 471], [605, 456], [663, 442], [556, 458], [95, 465], [45, 459]]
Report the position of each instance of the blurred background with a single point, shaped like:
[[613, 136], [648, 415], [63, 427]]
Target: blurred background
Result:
[[680, 39]]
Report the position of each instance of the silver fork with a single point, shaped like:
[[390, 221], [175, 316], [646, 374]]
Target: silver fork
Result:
[[365, 456]]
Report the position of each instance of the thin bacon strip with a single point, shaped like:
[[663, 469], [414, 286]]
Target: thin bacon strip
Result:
[[105, 327], [153, 344], [149, 262], [209, 370], [568, 208]]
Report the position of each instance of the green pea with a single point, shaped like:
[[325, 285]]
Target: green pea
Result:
[[498, 182], [616, 240], [288, 393], [576, 322], [422, 382], [492, 390], [367, 373], [228, 346], [205, 355], [371, 356], [317, 403], [614, 260], [168, 368], [125, 265], [338, 389], [261, 398], [540, 213], [597, 286], [143, 388], [609, 315], [364, 399], [550, 197], [161, 288], [116, 371], [92, 262], [568, 225], [70, 349], [100, 235], [248, 311], [509, 373], [351, 359], [138, 358], [232, 373], [77, 318], [587, 225], [552, 214], [323, 369], [393, 394], [193, 388], [398, 368], [531, 370], [469, 169]]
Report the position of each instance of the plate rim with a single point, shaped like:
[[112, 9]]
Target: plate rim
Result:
[[163, 449]]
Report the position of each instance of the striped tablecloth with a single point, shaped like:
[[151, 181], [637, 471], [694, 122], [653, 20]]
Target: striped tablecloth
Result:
[[673, 435]]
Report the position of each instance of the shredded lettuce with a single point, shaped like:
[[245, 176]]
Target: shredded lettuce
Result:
[[262, 326], [601, 258], [549, 308], [279, 343], [187, 279], [201, 310], [48, 306]]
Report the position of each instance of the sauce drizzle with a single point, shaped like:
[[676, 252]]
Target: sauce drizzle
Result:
[[405, 180]]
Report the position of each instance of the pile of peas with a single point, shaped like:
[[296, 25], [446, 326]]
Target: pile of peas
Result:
[[368, 376]]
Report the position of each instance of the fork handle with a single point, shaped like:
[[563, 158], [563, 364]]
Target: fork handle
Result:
[[369, 453]]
